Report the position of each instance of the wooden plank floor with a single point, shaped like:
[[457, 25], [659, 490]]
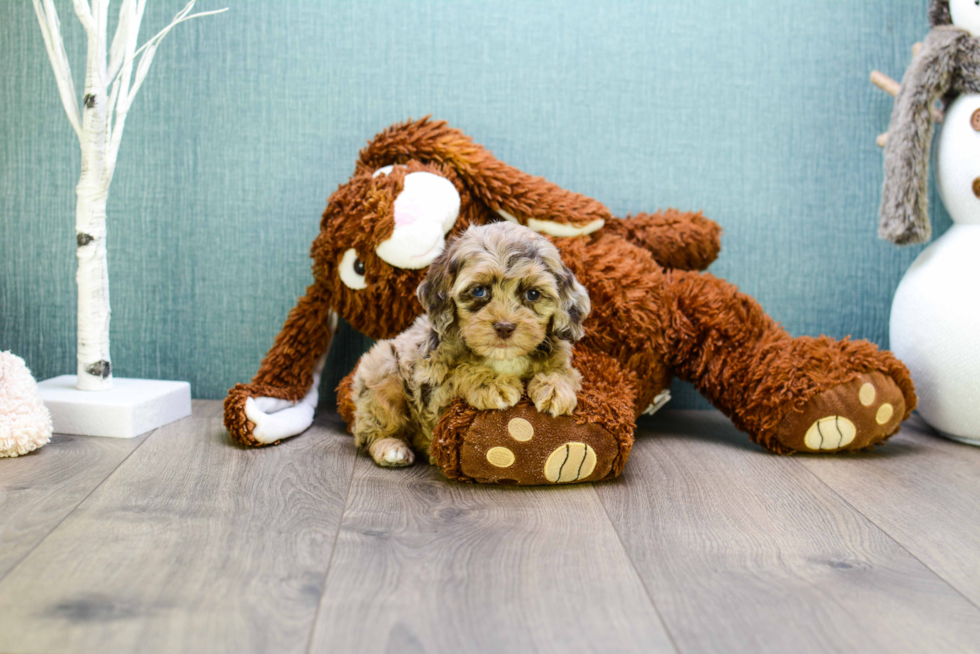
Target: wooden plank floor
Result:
[[182, 542]]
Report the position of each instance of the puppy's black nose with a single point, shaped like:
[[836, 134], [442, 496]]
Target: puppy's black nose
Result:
[[504, 329]]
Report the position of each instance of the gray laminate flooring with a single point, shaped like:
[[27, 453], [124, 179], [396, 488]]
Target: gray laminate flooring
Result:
[[180, 541]]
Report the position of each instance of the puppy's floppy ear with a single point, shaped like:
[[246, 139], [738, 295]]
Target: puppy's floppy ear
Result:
[[573, 306], [514, 195], [434, 291]]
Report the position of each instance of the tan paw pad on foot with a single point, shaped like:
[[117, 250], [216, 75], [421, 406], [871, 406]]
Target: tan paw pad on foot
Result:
[[849, 416], [570, 463], [520, 430], [501, 457], [885, 413], [831, 433], [867, 394]]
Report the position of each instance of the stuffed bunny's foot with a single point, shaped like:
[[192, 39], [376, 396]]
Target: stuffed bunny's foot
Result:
[[847, 417]]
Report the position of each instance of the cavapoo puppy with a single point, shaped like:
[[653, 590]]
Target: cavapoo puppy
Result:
[[502, 309]]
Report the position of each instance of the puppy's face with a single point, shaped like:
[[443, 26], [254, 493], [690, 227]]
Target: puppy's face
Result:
[[503, 312], [503, 290]]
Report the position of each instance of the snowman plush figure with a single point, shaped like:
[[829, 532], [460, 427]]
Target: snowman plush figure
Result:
[[935, 319]]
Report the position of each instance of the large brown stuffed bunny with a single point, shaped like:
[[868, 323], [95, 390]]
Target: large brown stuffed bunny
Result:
[[653, 316]]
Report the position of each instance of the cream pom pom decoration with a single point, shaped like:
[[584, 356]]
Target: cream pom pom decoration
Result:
[[25, 423]]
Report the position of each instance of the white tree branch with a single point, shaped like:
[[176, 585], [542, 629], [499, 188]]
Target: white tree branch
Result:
[[124, 47], [123, 55], [181, 17], [117, 53], [84, 13], [47, 17]]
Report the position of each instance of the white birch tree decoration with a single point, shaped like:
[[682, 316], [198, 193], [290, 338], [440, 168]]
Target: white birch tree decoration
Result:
[[110, 88]]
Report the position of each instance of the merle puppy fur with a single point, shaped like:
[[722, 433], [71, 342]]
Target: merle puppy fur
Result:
[[948, 65], [502, 310]]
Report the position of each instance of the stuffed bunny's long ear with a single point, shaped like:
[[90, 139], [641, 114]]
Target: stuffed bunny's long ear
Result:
[[512, 194]]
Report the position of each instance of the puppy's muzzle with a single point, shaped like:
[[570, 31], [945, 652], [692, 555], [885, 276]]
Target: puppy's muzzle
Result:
[[504, 329]]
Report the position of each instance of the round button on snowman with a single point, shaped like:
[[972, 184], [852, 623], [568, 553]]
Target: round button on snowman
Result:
[[935, 319]]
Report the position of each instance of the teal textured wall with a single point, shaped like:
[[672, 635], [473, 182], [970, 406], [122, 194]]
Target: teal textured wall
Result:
[[758, 112]]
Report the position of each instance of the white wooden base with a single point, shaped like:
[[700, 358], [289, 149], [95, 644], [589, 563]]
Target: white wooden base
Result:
[[130, 408]]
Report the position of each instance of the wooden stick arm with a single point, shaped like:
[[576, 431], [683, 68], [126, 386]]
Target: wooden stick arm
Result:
[[885, 83]]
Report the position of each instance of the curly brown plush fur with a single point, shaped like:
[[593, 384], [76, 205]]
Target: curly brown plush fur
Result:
[[653, 316]]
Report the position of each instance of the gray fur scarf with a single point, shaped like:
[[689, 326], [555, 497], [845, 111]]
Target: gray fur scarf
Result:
[[947, 66]]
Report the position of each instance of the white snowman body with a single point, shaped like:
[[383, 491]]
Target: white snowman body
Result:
[[935, 319]]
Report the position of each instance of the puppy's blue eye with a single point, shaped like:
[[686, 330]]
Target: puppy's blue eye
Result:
[[479, 291], [532, 295]]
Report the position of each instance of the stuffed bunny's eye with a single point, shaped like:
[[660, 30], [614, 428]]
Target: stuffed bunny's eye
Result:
[[352, 270]]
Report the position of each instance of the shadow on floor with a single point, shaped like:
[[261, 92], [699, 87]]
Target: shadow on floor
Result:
[[713, 427]]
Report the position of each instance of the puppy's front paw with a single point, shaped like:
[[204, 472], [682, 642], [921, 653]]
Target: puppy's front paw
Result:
[[391, 453], [554, 393], [500, 393]]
